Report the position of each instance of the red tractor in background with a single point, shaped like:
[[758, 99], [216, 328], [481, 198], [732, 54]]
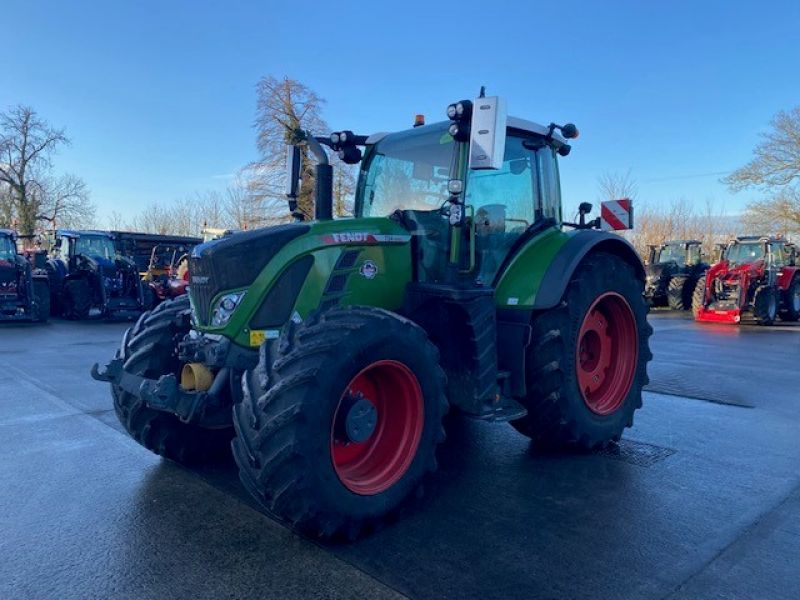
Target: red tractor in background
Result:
[[167, 273], [755, 275]]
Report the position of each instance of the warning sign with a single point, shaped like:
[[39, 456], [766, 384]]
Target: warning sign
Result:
[[616, 215]]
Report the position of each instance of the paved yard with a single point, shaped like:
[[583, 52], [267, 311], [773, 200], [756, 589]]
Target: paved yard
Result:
[[701, 499]]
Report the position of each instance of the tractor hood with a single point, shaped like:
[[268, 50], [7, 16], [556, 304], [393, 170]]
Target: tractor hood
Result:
[[730, 272], [234, 262]]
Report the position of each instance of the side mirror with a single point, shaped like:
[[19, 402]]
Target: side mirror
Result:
[[293, 163], [569, 131]]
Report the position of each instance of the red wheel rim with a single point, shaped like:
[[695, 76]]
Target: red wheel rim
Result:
[[374, 465], [607, 353]]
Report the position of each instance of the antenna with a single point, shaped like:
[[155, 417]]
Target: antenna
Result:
[[483, 92]]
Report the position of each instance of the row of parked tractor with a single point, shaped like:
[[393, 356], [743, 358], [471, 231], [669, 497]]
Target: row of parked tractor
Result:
[[753, 277], [78, 274]]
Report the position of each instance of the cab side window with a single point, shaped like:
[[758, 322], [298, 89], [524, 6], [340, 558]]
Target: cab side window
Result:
[[778, 256], [511, 190], [506, 202], [549, 183], [693, 256]]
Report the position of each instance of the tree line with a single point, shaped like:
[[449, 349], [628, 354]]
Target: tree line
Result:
[[33, 195]]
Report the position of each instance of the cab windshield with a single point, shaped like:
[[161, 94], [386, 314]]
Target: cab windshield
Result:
[[740, 253], [95, 246], [406, 171], [7, 248], [672, 253]]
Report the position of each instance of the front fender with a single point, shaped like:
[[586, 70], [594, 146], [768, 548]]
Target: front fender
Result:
[[538, 274]]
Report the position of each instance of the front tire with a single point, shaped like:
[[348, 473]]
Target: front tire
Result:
[[340, 429], [41, 301], [790, 308], [150, 352], [77, 299], [587, 364], [679, 293], [765, 305], [699, 296]]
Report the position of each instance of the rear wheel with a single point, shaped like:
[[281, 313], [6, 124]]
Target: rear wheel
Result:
[[149, 351], [76, 299], [765, 305], [341, 428], [790, 307], [587, 364], [41, 300], [698, 295], [679, 293]]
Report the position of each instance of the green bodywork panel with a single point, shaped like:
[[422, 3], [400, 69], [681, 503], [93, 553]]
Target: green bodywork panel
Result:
[[388, 259], [516, 287]]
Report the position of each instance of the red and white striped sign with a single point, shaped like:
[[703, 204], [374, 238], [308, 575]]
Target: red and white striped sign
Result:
[[616, 215]]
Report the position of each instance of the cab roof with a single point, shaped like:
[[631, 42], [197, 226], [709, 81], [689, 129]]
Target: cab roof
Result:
[[8, 233], [511, 123], [76, 233]]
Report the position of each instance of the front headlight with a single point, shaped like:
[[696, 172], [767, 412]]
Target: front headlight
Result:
[[223, 308]]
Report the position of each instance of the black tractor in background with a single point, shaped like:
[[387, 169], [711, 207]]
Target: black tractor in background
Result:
[[86, 273], [24, 288], [672, 271]]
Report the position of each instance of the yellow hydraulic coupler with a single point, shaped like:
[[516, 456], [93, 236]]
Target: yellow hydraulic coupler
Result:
[[196, 377]]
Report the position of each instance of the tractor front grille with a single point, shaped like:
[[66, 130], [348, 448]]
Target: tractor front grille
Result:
[[202, 287]]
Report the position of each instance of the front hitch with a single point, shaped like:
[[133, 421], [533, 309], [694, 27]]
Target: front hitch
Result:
[[165, 394]]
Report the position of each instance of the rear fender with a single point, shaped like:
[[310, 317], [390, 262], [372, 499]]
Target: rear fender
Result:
[[537, 276]]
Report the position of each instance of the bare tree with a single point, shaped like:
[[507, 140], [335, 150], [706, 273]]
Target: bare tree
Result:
[[284, 106], [64, 202], [775, 169], [776, 160], [778, 214], [614, 186], [26, 146]]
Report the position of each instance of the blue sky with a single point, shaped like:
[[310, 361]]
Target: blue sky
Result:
[[159, 96]]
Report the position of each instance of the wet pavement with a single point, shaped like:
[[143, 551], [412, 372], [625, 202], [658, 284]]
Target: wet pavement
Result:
[[700, 500]]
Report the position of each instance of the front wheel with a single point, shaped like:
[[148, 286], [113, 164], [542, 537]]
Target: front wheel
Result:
[[77, 299], [338, 426], [765, 305], [699, 296], [149, 351], [587, 362], [679, 293], [41, 300], [790, 308]]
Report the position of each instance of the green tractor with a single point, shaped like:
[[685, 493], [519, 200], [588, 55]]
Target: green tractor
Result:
[[329, 351]]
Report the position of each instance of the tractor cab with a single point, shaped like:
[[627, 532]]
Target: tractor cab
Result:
[[677, 252], [421, 177]]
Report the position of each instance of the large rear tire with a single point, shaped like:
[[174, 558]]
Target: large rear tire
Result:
[[337, 431], [587, 363], [150, 352], [790, 307], [77, 299]]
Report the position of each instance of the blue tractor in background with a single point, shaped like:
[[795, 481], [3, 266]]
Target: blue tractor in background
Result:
[[86, 272]]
